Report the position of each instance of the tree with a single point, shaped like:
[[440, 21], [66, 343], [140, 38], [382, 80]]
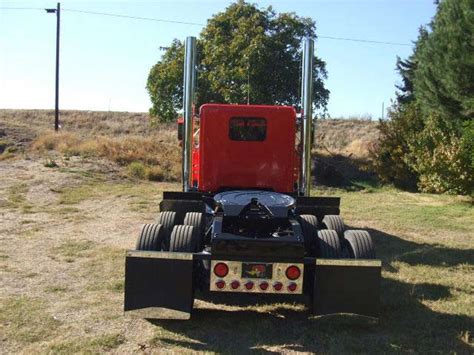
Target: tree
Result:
[[444, 80], [430, 137], [406, 68], [245, 54]]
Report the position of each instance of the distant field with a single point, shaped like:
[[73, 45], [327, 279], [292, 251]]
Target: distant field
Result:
[[151, 152], [351, 136]]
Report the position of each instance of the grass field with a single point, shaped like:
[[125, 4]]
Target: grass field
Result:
[[67, 219], [64, 233]]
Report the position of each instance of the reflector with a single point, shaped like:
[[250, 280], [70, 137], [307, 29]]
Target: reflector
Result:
[[235, 284], [249, 285], [277, 286], [220, 284], [292, 287]]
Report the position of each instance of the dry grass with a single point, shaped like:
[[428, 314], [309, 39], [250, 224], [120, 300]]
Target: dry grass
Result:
[[155, 157], [348, 137], [151, 152]]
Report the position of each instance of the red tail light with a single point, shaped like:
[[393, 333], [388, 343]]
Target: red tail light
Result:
[[277, 286], [249, 285], [293, 272], [221, 269], [235, 284], [220, 284], [263, 285], [292, 287]]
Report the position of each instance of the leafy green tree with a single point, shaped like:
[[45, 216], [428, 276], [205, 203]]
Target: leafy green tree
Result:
[[164, 82], [392, 156], [245, 54], [444, 79], [406, 68], [430, 137]]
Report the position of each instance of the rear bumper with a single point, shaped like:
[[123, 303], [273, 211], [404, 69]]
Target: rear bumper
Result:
[[160, 285]]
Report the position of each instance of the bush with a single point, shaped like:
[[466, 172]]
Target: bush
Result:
[[156, 158], [155, 173], [137, 170], [391, 153], [426, 152], [443, 157]]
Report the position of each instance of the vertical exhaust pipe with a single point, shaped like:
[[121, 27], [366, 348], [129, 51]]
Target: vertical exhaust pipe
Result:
[[189, 82], [306, 116]]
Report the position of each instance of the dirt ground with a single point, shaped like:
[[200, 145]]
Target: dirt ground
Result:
[[65, 226]]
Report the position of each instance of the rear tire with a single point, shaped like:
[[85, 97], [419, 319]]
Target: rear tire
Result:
[[329, 245], [195, 219], [359, 244], [183, 239], [334, 222], [309, 226], [168, 220], [151, 237]]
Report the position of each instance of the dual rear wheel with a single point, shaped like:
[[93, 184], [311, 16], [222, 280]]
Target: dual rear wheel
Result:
[[333, 241], [166, 235]]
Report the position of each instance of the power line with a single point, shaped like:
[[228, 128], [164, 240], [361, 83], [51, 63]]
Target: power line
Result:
[[364, 41], [201, 24], [135, 17]]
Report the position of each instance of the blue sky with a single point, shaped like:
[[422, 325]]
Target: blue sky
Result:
[[105, 60]]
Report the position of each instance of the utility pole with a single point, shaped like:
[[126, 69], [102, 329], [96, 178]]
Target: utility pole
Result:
[[57, 11]]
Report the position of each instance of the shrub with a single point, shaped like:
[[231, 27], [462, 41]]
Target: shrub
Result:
[[443, 157], [391, 153], [155, 158], [156, 173], [427, 152], [137, 170]]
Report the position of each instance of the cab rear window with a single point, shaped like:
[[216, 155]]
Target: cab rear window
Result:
[[248, 129]]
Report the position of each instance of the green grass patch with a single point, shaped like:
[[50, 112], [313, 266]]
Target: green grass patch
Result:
[[26, 320], [89, 346], [104, 269], [16, 195], [72, 250], [56, 289]]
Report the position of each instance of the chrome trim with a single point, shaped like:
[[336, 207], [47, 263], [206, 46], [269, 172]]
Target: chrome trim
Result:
[[349, 262], [159, 255], [158, 313], [306, 116], [189, 82]]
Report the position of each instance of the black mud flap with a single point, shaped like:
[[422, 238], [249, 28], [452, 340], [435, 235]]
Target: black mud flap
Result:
[[158, 285], [347, 286]]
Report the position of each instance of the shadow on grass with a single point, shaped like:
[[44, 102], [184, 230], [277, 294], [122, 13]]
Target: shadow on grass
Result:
[[405, 323], [391, 248], [347, 172]]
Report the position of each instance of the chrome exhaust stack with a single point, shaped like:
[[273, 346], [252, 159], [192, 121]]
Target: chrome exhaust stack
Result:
[[189, 84], [306, 116]]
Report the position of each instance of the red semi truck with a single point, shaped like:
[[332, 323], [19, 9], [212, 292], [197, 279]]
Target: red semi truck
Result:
[[245, 221]]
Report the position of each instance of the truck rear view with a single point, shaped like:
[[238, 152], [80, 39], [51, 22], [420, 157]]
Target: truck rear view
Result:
[[245, 221]]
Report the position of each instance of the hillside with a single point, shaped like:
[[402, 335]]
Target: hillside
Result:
[[341, 152], [337, 135]]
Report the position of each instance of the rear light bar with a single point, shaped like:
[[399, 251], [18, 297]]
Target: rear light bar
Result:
[[256, 277]]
